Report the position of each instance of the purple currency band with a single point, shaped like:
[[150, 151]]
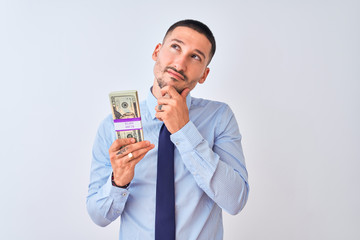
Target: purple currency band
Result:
[[128, 130], [127, 120], [127, 124]]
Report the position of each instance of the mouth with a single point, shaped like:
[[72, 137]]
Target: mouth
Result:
[[175, 74]]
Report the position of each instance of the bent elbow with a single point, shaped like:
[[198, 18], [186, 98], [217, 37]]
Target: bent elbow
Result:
[[242, 200], [98, 222], [237, 209], [95, 216]]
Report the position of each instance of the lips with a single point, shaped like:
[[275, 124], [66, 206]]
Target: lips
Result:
[[175, 74]]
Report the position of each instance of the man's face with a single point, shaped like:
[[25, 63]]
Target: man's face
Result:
[[181, 61]]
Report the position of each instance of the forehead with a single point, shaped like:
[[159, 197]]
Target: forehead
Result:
[[190, 38]]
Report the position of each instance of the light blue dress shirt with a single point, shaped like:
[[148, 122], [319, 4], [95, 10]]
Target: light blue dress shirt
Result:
[[210, 175]]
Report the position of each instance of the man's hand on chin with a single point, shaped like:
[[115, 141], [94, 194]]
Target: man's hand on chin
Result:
[[172, 108]]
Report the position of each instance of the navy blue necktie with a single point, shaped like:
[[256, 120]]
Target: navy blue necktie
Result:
[[165, 190]]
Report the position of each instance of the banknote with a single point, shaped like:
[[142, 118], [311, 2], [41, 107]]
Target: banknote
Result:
[[126, 114]]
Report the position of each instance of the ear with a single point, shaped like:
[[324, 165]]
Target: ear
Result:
[[204, 76], [156, 51]]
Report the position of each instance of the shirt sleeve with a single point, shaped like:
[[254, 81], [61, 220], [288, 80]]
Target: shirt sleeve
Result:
[[105, 202], [219, 170]]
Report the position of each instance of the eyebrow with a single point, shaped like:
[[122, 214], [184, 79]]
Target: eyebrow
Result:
[[196, 50]]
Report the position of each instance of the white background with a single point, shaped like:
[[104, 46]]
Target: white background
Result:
[[290, 70]]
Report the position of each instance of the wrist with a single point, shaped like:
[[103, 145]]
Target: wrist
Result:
[[117, 185], [179, 127]]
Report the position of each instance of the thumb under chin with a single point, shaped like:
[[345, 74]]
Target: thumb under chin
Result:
[[185, 92]]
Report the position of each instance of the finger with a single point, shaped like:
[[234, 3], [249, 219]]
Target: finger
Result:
[[139, 145], [137, 155], [138, 159], [130, 156], [117, 144], [185, 92], [165, 101], [141, 156], [160, 108], [159, 115], [164, 91], [170, 90], [122, 150], [134, 147]]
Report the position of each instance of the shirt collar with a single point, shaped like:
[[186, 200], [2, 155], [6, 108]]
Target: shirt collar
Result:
[[151, 103]]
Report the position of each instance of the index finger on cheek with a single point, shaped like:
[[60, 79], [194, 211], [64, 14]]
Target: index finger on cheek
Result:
[[171, 92], [166, 91], [163, 101]]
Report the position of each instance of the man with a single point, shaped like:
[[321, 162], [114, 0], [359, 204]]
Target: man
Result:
[[209, 168]]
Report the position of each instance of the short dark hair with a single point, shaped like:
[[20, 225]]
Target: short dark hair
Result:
[[200, 28]]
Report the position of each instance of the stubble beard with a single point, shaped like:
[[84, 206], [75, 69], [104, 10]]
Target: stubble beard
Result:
[[162, 84]]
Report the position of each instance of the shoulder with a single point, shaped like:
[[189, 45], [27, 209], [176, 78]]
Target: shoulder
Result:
[[108, 121], [142, 104], [106, 127], [210, 113], [212, 118], [209, 105]]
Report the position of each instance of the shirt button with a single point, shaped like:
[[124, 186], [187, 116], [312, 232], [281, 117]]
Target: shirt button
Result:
[[124, 194], [177, 143]]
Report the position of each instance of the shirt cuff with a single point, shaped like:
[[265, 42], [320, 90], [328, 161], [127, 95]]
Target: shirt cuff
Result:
[[117, 196], [187, 138]]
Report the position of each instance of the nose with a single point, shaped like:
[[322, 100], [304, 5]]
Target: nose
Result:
[[180, 63]]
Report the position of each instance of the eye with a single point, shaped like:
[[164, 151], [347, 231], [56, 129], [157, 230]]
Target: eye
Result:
[[196, 57], [175, 46]]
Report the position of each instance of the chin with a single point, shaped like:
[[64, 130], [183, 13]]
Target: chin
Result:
[[169, 82]]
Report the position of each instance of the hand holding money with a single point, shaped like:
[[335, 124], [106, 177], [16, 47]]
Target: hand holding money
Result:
[[129, 148], [124, 155], [173, 111]]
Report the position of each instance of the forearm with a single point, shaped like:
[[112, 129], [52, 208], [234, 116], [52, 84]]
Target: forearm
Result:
[[106, 203], [219, 170]]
